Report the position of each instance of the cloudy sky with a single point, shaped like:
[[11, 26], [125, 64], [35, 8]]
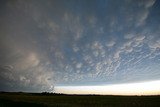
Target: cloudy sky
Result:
[[47, 43]]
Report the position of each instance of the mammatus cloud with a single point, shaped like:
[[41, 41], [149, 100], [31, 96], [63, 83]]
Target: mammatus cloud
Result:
[[49, 43], [110, 43]]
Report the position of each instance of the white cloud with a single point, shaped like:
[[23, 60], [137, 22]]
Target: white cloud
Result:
[[129, 36], [74, 25], [88, 59], [140, 38], [109, 62], [75, 48], [110, 43], [69, 68], [70, 29], [155, 44], [149, 3], [137, 41], [95, 53], [143, 12], [117, 54], [103, 53], [98, 68], [59, 54], [24, 80], [127, 44], [79, 65], [8, 67], [129, 49], [96, 45], [153, 55], [141, 17], [98, 49], [26, 61]]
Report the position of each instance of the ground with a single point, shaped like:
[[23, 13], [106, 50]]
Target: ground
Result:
[[60, 100]]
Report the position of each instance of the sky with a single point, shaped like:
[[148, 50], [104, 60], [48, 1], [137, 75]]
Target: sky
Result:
[[78, 43]]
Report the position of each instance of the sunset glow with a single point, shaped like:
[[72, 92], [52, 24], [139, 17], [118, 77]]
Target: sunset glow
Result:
[[143, 88]]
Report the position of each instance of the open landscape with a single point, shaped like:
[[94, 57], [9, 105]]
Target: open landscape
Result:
[[61, 100], [79, 53]]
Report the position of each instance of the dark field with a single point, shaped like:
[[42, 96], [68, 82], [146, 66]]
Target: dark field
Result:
[[57, 100]]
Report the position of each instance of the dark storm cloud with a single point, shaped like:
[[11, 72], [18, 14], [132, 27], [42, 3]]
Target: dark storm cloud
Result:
[[45, 43]]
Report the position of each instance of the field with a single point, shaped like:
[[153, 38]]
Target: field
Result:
[[58, 100]]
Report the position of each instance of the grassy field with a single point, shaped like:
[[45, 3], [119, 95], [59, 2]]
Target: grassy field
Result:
[[55, 100]]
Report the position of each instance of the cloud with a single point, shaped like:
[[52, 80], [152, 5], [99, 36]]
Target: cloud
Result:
[[8, 67], [24, 80], [129, 36], [134, 13], [49, 43], [149, 3], [155, 44], [143, 14], [27, 61], [110, 43], [98, 49], [140, 38], [117, 54], [141, 17], [79, 65], [74, 25], [92, 20], [75, 48]]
